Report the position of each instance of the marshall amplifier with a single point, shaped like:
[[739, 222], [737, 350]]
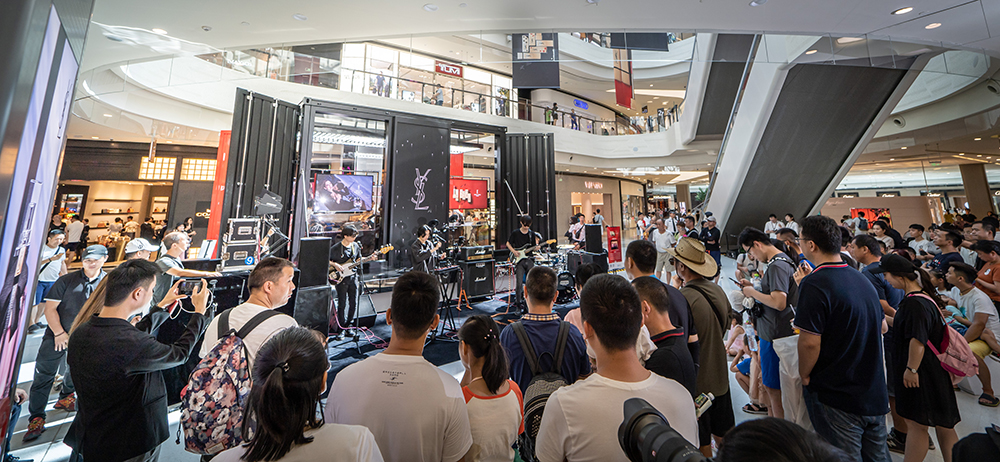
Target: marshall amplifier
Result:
[[477, 253], [478, 278]]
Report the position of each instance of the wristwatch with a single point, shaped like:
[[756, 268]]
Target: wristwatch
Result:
[[911, 369]]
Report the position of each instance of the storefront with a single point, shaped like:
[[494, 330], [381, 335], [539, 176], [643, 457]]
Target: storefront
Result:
[[107, 182], [617, 200]]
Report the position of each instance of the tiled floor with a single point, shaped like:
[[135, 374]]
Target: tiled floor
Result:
[[49, 448]]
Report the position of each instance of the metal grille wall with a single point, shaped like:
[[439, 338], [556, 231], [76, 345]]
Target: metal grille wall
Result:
[[526, 177], [262, 155]]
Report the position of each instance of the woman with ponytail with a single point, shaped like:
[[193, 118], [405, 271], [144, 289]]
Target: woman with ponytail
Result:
[[924, 394], [494, 401], [289, 375]]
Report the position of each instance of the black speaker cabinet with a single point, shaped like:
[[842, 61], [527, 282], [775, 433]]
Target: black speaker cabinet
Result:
[[575, 259], [313, 308], [314, 261], [478, 280], [366, 311], [593, 234]]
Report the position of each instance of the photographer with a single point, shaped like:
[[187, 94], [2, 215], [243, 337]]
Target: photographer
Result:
[[778, 294], [422, 251], [118, 370]]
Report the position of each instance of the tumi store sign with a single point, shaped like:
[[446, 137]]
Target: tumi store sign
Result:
[[450, 69]]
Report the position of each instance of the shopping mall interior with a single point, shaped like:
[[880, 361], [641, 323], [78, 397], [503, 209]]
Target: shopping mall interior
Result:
[[265, 129]]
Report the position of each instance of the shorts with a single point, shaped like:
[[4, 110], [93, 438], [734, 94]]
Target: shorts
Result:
[[663, 263], [41, 289], [72, 246], [769, 366], [717, 420], [980, 348], [744, 367]]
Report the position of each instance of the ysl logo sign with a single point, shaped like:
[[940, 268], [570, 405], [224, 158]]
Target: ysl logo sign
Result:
[[418, 183]]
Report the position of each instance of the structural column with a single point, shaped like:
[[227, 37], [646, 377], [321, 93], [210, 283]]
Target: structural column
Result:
[[684, 195], [977, 189]]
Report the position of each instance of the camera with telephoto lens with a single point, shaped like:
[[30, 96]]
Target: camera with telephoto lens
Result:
[[646, 436]]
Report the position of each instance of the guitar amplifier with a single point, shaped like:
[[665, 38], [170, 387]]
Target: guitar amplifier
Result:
[[240, 255], [476, 253], [575, 258], [478, 278]]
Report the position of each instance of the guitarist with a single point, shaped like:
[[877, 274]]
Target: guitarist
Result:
[[521, 238], [342, 253]]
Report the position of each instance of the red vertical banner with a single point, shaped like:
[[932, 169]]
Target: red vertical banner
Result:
[[624, 90], [614, 244], [219, 188], [457, 165]]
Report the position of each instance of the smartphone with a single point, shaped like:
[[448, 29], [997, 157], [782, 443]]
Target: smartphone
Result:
[[189, 286], [736, 282]]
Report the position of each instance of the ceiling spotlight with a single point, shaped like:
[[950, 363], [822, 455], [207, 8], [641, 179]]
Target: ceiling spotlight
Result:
[[977, 139], [299, 17], [96, 137], [904, 147], [810, 52], [206, 28], [463, 5], [430, 7], [107, 115], [159, 31], [933, 25], [892, 158], [244, 23], [757, 2], [846, 40], [961, 153], [903, 10]]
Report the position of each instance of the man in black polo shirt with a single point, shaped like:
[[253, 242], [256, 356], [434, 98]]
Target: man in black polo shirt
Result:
[[62, 303], [522, 243], [671, 358], [840, 348], [711, 236]]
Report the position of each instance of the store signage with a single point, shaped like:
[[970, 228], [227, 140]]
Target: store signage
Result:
[[450, 69], [581, 104], [593, 185], [469, 194]]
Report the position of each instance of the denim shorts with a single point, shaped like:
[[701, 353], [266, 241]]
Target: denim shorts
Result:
[[769, 366]]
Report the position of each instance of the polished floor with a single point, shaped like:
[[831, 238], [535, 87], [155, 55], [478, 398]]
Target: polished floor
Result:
[[50, 448]]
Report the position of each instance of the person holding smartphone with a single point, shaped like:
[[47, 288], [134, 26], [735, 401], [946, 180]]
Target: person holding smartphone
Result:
[[924, 248]]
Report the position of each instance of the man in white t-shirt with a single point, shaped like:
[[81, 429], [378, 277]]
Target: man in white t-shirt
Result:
[[131, 227], [612, 316], [416, 411], [270, 288], [772, 226], [982, 315], [664, 240], [74, 232], [923, 248]]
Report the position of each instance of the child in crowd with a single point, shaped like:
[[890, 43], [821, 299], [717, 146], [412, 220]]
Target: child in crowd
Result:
[[734, 338]]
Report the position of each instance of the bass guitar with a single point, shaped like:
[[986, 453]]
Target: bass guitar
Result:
[[346, 271], [520, 254]]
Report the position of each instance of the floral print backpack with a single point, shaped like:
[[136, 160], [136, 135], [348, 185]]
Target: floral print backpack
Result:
[[213, 400]]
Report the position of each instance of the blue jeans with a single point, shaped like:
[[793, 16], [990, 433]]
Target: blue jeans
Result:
[[862, 437]]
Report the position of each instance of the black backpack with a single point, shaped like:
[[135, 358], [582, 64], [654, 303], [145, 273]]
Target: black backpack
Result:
[[863, 224], [540, 387]]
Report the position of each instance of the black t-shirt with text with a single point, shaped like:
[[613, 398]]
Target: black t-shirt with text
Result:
[[71, 291], [518, 239]]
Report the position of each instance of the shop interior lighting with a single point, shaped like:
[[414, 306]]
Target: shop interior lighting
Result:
[[159, 31], [933, 25], [977, 139], [846, 40], [903, 10], [350, 140], [810, 52]]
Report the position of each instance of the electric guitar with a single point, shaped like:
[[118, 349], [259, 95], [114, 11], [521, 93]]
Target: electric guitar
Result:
[[346, 271], [520, 254]]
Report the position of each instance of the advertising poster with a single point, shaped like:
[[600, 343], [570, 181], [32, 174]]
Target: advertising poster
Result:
[[624, 93], [535, 60], [469, 194], [419, 181], [873, 215], [614, 244]]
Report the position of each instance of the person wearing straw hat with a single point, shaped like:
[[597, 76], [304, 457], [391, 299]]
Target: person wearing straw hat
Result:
[[710, 309]]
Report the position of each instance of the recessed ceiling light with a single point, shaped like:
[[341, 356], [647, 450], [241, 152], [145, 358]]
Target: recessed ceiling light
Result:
[[904, 147], [430, 7], [159, 31], [811, 52], [977, 139], [107, 115], [299, 17], [903, 10], [979, 155], [244, 23], [757, 2], [892, 158], [463, 5], [933, 25], [96, 137], [846, 40], [961, 153]]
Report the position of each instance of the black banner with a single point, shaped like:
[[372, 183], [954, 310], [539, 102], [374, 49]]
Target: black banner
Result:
[[418, 183], [535, 60]]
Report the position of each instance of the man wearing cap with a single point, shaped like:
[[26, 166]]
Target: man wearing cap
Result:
[[710, 310], [139, 249], [62, 303], [710, 237]]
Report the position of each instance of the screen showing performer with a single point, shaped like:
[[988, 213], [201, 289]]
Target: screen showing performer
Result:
[[342, 193]]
